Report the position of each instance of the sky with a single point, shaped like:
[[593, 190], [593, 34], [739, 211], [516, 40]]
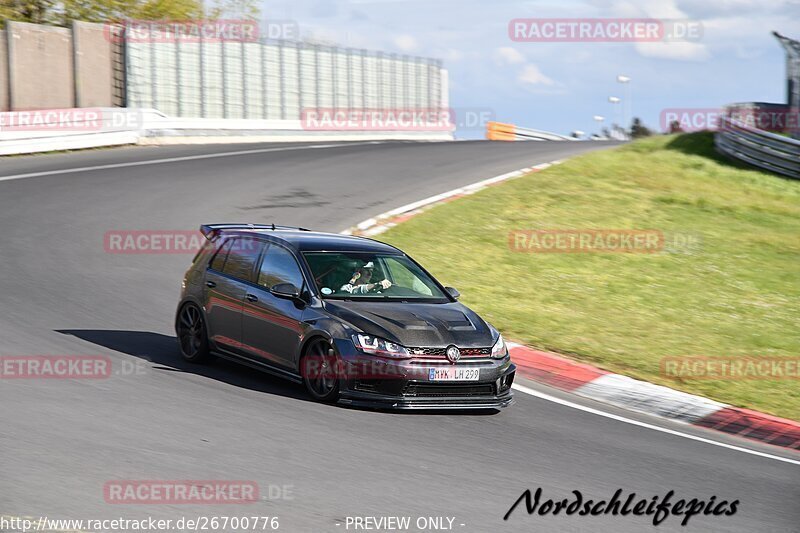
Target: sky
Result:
[[561, 86]]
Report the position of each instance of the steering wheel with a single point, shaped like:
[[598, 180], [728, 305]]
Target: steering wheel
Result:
[[397, 290]]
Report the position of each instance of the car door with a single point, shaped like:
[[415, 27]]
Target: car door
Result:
[[271, 326], [227, 279]]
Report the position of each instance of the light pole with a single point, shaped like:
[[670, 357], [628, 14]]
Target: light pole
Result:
[[626, 80], [599, 119], [613, 100]]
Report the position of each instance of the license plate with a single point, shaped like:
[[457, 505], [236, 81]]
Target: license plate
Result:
[[454, 374]]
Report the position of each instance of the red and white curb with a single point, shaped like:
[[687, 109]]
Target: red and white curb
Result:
[[389, 219], [633, 394], [591, 382]]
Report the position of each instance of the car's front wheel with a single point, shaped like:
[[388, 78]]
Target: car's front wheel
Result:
[[192, 334], [320, 371]]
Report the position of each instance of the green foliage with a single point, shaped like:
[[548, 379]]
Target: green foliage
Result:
[[36, 11], [63, 12], [736, 293], [639, 130]]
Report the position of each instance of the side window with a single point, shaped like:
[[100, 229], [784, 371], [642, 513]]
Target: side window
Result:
[[279, 266], [219, 260], [242, 258]]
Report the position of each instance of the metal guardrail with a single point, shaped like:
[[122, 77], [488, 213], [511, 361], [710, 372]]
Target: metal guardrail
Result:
[[499, 131], [759, 148]]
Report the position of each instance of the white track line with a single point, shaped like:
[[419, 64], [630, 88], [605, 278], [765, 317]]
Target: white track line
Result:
[[373, 226], [520, 388], [567, 403], [183, 158]]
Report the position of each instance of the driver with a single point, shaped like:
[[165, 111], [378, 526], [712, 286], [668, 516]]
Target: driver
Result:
[[359, 283]]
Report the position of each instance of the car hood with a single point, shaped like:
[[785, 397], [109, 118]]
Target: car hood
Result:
[[416, 324]]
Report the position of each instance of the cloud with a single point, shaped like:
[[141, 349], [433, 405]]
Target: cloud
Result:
[[406, 43], [679, 51], [449, 54], [531, 75], [669, 10], [358, 16], [324, 9], [508, 56]]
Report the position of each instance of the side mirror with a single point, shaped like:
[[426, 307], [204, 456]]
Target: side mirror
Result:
[[452, 291], [285, 290]]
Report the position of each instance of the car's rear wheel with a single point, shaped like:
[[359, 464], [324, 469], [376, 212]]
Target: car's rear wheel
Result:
[[192, 334], [320, 371]]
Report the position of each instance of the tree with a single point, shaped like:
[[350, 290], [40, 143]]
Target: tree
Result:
[[116, 11], [35, 11], [638, 129], [63, 12], [675, 127], [235, 9]]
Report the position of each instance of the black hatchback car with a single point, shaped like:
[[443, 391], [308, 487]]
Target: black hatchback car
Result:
[[355, 320]]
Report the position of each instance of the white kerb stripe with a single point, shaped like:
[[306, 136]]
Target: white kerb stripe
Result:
[[573, 405], [645, 397]]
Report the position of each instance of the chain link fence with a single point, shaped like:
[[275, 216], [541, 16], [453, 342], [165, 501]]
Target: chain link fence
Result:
[[276, 80]]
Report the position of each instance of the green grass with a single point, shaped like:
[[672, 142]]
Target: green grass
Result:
[[736, 294]]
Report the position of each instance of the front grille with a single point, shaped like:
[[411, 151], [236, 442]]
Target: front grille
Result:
[[440, 352], [447, 389]]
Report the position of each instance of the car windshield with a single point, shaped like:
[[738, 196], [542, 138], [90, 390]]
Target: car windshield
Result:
[[373, 276]]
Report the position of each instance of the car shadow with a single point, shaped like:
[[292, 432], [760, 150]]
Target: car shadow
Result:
[[163, 353]]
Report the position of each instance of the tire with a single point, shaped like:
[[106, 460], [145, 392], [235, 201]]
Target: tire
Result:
[[192, 335], [319, 370]]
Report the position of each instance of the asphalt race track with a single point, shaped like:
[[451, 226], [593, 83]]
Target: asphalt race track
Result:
[[159, 418]]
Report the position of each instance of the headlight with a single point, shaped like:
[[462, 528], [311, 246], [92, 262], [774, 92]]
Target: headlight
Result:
[[377, 346], [499, 349]]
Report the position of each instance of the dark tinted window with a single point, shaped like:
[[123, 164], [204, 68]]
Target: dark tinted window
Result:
[[219, 260], [242, 258], [279, 266], [371, 275]]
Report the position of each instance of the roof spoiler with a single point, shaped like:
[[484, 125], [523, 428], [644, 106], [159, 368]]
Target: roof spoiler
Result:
[[210, 231]]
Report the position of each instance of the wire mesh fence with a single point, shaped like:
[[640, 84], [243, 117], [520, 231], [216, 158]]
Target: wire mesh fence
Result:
[[266, 79]]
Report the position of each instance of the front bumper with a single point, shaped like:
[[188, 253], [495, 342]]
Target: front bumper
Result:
[[369, 381], [449, 403]]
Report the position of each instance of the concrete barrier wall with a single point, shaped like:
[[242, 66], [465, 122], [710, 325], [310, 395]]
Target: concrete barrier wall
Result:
[[44, 131], [49, 67], [45, 67], [41, 69], [94, 76]]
